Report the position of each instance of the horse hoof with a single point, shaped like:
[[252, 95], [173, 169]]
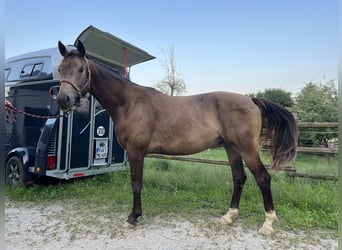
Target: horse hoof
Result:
[[128, 225], [229, 216], [266, 231], [224, 221], [267, 228]]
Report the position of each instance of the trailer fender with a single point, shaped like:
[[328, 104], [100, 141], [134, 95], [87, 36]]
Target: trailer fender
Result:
[[43, 146], [17, 163], [22, 153]]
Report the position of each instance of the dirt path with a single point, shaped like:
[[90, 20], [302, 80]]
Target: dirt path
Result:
[[58, 226]]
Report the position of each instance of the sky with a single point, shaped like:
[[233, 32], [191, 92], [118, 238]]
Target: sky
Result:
[[220, 45]]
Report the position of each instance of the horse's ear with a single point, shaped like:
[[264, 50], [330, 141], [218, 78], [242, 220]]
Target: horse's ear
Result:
[[80, 47], [62, 48]]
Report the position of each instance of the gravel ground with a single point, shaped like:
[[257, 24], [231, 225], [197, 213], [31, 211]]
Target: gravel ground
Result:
[[59, 226]]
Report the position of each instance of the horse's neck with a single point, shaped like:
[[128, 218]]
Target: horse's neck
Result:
[[110, 91]]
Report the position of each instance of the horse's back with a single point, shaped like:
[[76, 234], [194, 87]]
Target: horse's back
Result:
[[210, 108], [188, 124]]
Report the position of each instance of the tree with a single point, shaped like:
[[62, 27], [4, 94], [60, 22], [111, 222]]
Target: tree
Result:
[[276, 95], [317, 102], [172, 83]]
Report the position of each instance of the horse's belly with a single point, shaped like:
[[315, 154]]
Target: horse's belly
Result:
[[183, 144]]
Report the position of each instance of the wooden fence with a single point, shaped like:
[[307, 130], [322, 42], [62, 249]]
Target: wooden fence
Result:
[[290, 169]]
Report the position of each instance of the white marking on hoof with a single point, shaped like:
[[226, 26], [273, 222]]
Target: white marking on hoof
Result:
[[267, 228], [229, 216]]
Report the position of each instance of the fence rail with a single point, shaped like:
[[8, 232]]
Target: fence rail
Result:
[[317, 150], [291, 170], [318, 125]]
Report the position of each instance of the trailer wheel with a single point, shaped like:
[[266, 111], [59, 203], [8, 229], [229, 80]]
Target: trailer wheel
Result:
[[14, 171]]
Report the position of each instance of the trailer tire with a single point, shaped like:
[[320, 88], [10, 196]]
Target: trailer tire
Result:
[[14, 171]]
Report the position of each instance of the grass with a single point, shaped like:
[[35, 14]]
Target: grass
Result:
[[189, 190], [305, 163]]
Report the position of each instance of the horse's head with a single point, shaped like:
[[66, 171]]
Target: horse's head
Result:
[[75, 76]]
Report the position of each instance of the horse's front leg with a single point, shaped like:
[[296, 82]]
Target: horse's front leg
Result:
[[136, 162]]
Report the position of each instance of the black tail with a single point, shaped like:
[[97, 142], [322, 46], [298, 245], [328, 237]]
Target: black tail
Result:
[[281, 127]]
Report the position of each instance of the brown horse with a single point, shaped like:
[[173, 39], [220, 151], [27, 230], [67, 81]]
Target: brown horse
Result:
[[147, 121]]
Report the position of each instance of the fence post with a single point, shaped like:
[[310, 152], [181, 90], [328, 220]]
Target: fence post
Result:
[[292, 172]]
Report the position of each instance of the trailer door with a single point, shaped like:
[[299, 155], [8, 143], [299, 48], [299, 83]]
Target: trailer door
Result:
[[74, 147], [88, 141], [102, 132], [107, 150]]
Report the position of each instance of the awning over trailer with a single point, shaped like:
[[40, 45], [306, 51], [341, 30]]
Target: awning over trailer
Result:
[[110, 49]]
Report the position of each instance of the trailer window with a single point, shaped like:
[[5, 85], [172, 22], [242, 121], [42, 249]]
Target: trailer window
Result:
[[26, 71], [37, 68], [32, 70], [7, 71]]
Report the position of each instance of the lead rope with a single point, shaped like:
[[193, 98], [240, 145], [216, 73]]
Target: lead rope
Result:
[[12, 111]]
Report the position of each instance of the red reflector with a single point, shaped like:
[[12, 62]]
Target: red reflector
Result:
[[78, 175], [51, 162]]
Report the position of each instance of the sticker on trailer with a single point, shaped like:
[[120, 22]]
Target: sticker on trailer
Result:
[[100, 131], [101, 148]]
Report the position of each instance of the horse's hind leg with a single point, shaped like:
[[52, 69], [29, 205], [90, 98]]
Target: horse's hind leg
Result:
[[263, 180], [239, 179]]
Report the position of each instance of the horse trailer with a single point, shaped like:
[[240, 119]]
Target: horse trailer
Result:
[[42, 141]]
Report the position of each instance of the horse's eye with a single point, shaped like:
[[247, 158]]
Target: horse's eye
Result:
[[80, 70]]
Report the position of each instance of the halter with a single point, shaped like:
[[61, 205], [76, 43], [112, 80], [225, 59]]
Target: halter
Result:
[[80, 91]]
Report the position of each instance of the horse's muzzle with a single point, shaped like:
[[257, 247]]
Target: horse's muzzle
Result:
[[68, 103], [64, 102]]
